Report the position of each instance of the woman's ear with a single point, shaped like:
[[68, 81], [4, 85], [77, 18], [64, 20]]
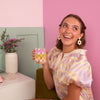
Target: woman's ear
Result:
[[59, 29], [81, 35]]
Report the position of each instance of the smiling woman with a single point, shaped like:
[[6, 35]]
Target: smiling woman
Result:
[[67, 68], [75, 24]]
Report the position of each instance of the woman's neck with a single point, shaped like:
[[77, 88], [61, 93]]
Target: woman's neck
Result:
[[67, 49]]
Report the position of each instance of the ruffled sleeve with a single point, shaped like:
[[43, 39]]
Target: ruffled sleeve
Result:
[[52, 56], [79, 73]]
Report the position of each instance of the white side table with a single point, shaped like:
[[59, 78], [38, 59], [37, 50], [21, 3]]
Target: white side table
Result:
[[21, 87]]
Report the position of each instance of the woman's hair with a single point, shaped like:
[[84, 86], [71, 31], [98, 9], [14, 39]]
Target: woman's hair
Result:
[[59, 43]]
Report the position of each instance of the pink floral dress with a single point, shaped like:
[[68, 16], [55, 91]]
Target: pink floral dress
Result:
[[73, 67]]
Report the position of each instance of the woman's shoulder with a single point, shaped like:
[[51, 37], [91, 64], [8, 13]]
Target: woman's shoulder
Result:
[[78, 53], [54, 51], [77, 56]]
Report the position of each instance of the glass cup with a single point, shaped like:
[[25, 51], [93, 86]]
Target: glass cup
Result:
[[40, 55]]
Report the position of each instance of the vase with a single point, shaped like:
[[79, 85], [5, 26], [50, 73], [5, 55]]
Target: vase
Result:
[[11, 62]]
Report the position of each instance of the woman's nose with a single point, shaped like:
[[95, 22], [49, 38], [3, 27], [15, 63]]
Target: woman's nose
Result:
[[68, 29]]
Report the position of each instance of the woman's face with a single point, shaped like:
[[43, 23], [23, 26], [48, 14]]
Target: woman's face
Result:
[[70, 31]]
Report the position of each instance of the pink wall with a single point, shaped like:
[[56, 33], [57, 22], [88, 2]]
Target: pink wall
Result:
[[21, 13], [88, 10]]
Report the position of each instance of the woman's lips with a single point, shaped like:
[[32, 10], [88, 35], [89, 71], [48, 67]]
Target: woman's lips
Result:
[[67, 37]]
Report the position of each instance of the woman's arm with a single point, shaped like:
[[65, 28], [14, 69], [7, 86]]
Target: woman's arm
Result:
[[48, 77], [73, 92], [47, 73]]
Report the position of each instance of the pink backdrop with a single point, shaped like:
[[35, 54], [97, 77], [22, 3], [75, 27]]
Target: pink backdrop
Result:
[[21, 13], [88, 10]]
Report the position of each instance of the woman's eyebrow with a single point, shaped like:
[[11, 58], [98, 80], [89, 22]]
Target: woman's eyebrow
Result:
[[75, 25], [64, 24], [71, 24]]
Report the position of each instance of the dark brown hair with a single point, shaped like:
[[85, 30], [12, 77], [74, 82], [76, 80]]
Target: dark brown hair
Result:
[[59, 44]]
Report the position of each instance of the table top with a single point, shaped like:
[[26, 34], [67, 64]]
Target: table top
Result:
[[13, 79]]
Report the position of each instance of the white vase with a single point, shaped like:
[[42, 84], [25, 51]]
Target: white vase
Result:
[[11, 62]]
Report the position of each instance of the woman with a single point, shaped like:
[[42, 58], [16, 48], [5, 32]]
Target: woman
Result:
[[67, 68]]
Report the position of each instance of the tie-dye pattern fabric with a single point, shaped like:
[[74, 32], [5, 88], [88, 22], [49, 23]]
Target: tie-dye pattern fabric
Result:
[[72, 68]]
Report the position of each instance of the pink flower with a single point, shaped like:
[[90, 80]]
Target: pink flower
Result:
[[6, 51], [15, 45], [11, 40], [15, 39], [4, 44], [7, 43], [9, 46]]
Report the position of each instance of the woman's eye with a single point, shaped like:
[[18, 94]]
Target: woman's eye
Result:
[[65, 26], [75, 28]]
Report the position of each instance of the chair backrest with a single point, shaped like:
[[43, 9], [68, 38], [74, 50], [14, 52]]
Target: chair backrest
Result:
[[41, 90]]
